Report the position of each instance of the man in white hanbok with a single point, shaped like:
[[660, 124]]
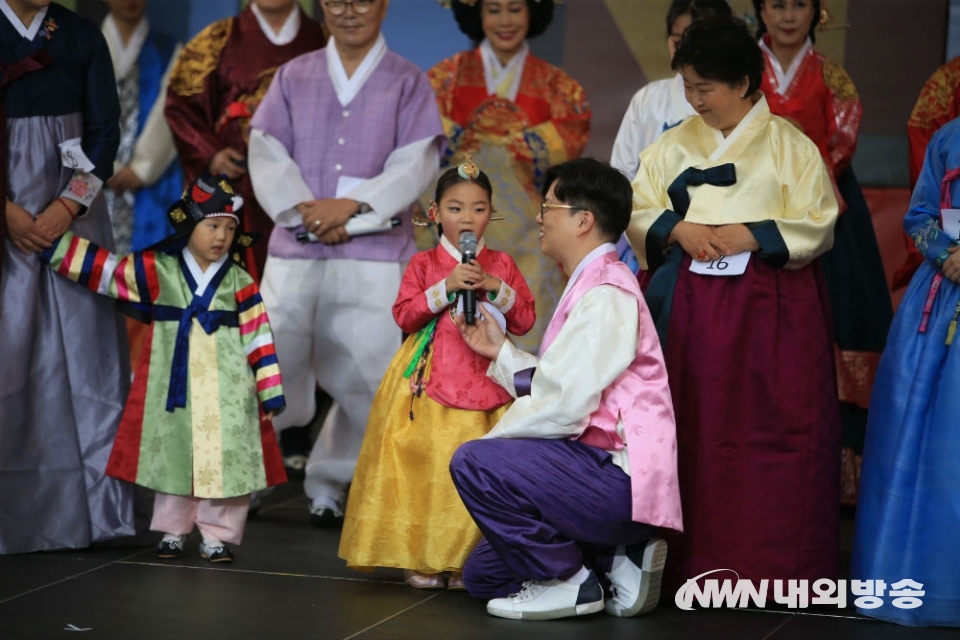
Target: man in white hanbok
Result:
[[344, 142]]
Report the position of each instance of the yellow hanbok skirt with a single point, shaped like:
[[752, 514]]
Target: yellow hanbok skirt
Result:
[[403, 510]]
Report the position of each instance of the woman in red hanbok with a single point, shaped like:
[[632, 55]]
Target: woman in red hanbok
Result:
[[516, 115], [817, 95]]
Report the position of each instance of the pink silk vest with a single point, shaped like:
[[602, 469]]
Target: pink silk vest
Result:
[[640, 397]]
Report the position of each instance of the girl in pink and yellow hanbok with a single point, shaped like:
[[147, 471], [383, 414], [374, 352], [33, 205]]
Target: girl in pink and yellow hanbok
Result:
[[403, 510]]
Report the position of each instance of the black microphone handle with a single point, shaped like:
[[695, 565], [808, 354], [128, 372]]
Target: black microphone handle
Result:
[[470, 306], [469, 296]]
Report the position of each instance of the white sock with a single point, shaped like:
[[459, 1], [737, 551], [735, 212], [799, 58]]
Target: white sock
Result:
[[619, 558], [579, 577], [212, 542], [169, 537]]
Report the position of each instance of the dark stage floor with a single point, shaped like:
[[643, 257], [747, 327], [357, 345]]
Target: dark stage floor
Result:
[[288, 583]]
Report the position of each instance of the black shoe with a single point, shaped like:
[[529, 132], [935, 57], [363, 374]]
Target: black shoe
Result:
[[325, 518], [295, 465], [167, 549], [295, 448], [216, 553]]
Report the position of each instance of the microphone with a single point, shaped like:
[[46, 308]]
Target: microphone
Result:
[[468, 249]]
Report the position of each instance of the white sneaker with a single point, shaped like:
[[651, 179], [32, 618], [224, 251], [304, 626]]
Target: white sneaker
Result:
[[549, 600], [635, 583]]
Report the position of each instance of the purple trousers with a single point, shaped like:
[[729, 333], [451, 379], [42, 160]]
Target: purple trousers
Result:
[[545, 507]]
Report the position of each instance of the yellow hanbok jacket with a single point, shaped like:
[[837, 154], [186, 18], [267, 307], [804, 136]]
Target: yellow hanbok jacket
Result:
[[764, 148]]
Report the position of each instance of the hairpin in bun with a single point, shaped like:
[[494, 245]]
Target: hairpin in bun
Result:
[[468, 170]]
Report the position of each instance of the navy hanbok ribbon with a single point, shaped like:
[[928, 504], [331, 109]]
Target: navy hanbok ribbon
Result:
[[210, 320], [659, 294], [722, 175]]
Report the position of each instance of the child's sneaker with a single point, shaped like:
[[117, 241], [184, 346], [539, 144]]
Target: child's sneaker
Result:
[[215, 551], [170, 547]]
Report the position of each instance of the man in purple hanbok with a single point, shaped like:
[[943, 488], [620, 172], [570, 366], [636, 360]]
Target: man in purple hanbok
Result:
[[572, 484], [344, 142]]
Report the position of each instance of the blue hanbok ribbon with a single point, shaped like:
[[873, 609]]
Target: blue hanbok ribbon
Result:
[[210, 320]]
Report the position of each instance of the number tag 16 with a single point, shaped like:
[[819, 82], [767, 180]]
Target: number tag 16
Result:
[[734, 265]]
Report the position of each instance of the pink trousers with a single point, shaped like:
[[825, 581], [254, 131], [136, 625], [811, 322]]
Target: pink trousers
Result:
[[220, 519]]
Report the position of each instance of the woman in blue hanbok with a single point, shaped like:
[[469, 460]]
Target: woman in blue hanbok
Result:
[[908, 515]]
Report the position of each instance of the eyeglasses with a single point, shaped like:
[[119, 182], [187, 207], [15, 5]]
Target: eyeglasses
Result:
[[339, 7], [546, 206]]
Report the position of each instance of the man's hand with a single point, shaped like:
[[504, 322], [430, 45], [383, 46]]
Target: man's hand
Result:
[[229, 162], [484, 337], [125, 180], [321, 216], [23, 230], [336, 235]]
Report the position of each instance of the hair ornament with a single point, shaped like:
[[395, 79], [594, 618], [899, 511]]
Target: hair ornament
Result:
[[468, 170], [421, 218], [826, 18]]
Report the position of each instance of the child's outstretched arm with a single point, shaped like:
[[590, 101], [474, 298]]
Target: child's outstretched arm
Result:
[[257, 340], [132, 277]]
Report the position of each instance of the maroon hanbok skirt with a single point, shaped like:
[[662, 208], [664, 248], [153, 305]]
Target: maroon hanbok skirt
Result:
[[751, 367]]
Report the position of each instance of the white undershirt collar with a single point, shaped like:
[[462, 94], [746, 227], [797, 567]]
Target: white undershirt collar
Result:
[[287, 32], [493, 71], [725, 143], [784, 79], [455, 251], [27, 32], [201, 277], [348, 88], [124, 55]]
